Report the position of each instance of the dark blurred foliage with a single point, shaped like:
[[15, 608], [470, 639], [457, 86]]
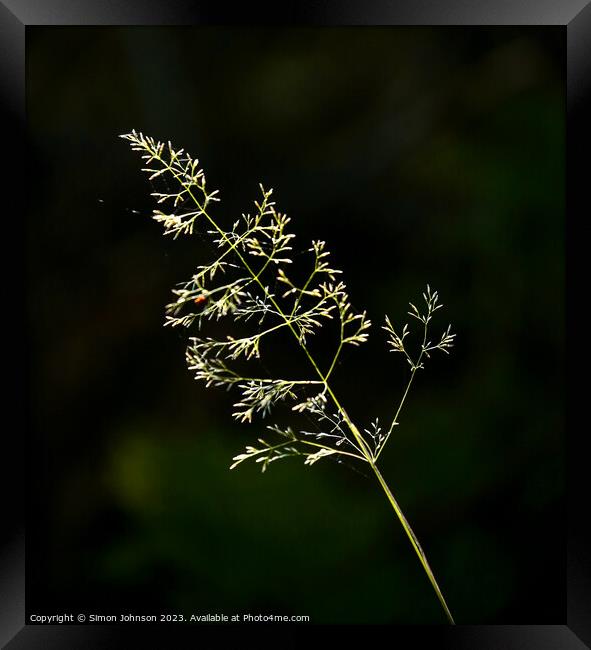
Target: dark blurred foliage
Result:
[[420, 155]]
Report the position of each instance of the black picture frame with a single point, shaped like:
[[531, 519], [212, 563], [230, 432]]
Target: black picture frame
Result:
[[573, 17]]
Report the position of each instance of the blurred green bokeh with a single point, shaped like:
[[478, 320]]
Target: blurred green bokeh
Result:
[[420, 155]]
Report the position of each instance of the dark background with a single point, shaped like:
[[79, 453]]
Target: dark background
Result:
[[420, 155]]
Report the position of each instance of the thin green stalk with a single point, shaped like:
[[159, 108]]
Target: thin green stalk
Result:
[[337, 353], [414, 541]]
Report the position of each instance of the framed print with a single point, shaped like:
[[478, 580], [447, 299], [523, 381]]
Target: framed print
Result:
[[330, 244]]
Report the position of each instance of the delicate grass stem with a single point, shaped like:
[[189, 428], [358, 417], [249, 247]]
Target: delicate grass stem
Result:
[[264, 237]]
